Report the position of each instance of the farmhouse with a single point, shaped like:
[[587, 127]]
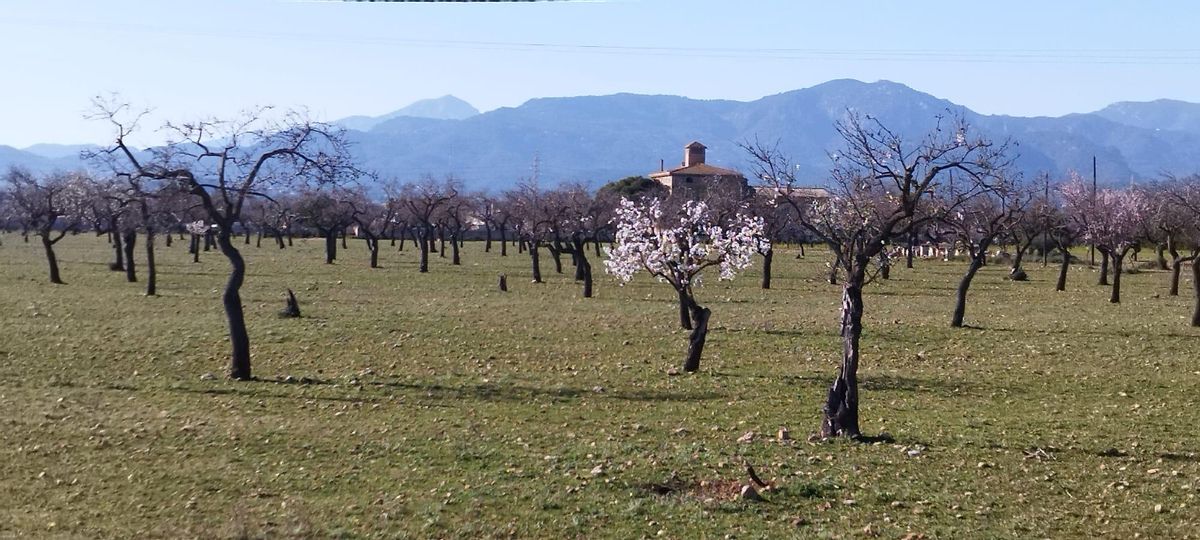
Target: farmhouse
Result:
[[696, 176]]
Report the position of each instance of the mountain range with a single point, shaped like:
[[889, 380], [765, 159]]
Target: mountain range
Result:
[[597, 139]]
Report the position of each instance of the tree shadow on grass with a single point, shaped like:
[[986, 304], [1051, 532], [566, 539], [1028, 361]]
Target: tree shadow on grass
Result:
[[522, 393], [466, 392], [896, 383]]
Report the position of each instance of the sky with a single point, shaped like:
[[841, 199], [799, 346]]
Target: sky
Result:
[[190, 60]]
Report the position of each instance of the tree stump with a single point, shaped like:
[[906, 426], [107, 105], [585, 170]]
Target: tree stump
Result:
[[503, 283], [292, 309]]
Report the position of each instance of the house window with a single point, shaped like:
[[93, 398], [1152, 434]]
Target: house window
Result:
[[687, 179]]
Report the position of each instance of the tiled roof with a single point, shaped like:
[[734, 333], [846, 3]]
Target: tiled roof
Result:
[[699, 169]]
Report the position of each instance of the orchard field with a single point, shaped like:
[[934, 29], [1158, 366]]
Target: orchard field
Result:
[[435, 406]]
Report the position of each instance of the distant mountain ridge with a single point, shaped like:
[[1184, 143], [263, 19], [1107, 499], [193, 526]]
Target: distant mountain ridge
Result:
[[596, 139], [443, 108]]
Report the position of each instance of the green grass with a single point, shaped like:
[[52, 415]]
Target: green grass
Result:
[[441, 407]]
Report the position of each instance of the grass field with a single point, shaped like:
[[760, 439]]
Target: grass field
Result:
[[433, 405]]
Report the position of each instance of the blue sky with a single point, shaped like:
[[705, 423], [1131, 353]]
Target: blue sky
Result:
[[216, 57]]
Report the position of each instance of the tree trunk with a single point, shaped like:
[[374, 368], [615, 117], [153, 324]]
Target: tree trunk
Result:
[[455, 259], [556, 256], [344, 239], [279, 239], [1103, 267], [912, 246], [247, 229], [373, 248], [685, 316], [535, 261], [167, 239], [51, 258], [130, 270], [119, 264], [700, 315], [330, 246], [151, 268], [442, 239], [841, 405], [1196, 291], [503, 243], [1159, 249], [583, 267], [487, 242], [258, 239], [766, 272], [1118, 260], [1062, 270], [1176, 262], [424, 241], [833, 272], [960, 302], [194, 248], [239, 339]]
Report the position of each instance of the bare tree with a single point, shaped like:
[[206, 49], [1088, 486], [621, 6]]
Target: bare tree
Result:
[[224, 163], [879, 185], [423, 199], [992, 212]]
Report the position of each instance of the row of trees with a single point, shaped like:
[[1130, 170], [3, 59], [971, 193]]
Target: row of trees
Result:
[[279, 176]]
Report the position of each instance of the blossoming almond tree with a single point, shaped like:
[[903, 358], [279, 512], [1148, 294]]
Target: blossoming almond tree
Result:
[[677, 253], [1114, 222]]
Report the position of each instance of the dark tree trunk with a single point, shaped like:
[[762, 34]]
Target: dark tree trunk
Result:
[[130, 239], [424, 241], [343, 235], [960, 298], [1020, 256], [455, 259], [503, 243], [1062, 270], [1196, 291], [685, 316], [1103, 267], [194, 248], [833, 272], [208, 240], [119, 264], [912, 246], [802, 250], [766, 272], [1176, 263], [279, 239], [556, 256], [1159, 249], [487, 239], [575, 256], [596, 245], [1118, 260], [442, 239], [258, 239], [535, 261], [700, 315], [373, 248], [330, 246], [51, 258], [403, 234], [289, 237], [239, 339], [167, 239], [583, 267], [841, 405], [247, 242], [151, 267]]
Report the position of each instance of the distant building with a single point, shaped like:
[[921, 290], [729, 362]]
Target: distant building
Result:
[[696, 176]]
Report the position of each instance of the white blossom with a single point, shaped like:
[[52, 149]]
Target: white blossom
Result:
[[677, 254]]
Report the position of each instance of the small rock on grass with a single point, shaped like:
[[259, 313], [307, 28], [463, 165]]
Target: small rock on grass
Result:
[[208, 377], [750, 494]]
